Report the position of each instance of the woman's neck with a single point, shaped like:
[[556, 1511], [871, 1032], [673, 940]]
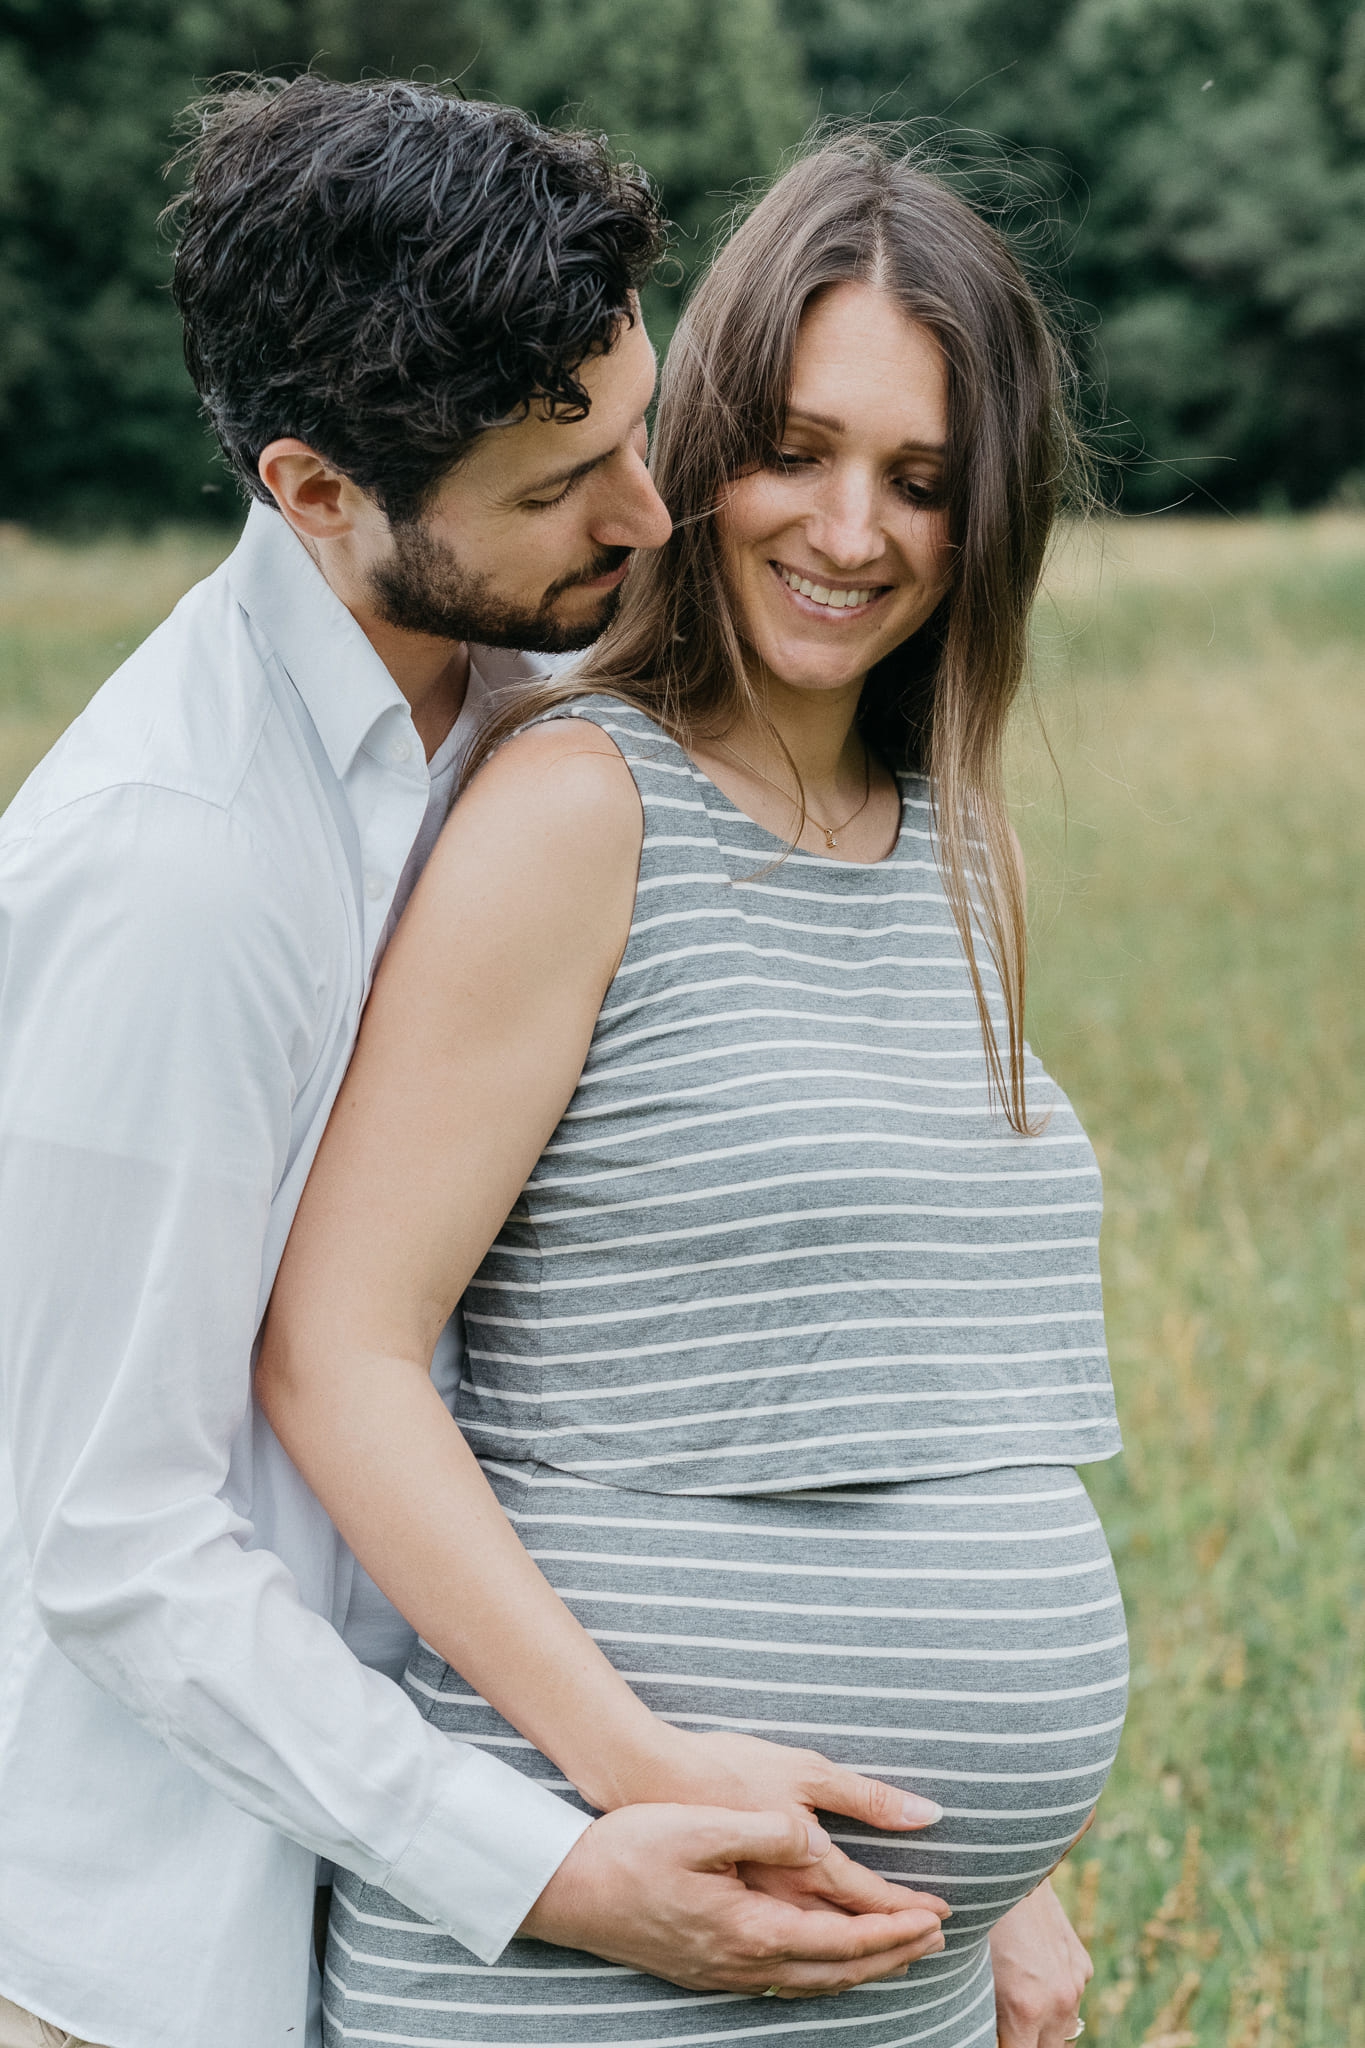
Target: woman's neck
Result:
[[839, 801], [814, 732]]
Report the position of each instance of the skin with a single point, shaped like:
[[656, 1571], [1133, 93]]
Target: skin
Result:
[[471, 1047]]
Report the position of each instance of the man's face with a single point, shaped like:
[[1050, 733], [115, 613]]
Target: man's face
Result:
[[527, 542]]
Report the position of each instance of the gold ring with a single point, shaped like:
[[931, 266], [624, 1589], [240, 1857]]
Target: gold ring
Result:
[[1080, 2029]]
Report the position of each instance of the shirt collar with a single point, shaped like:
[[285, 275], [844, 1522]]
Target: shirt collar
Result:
[[344, 685]]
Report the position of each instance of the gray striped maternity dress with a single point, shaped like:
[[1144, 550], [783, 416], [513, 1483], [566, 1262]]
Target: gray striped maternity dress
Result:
[[782, 1366]]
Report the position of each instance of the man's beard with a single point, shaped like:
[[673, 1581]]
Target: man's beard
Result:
[[423, 589]]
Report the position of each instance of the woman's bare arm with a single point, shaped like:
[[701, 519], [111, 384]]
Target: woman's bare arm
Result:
[[472, 1045]]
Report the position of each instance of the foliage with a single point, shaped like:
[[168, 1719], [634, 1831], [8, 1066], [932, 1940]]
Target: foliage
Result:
[[1203, 160]]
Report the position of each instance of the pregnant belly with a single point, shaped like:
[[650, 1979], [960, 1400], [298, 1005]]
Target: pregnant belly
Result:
[[962, 1637]]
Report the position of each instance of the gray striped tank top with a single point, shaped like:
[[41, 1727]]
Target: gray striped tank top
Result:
[[781, 1238]]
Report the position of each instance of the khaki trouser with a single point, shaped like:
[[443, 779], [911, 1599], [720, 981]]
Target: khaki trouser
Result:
[[20, 2029]]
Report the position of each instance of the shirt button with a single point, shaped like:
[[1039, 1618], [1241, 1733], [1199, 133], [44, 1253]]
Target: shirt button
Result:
[[400, 750], [374, 887]]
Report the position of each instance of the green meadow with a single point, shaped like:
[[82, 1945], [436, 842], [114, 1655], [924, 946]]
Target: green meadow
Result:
[[1194, 820]]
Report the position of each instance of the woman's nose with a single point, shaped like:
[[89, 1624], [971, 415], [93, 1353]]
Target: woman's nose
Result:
[[843, 526]]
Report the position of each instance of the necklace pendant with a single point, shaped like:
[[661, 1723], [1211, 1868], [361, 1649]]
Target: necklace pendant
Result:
[[830, 839]]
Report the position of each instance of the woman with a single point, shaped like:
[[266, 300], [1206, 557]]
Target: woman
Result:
[[699, 1059]]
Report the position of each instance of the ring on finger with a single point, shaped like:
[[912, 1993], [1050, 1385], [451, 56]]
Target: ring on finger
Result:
[[1076, 2031], [771, 1991]]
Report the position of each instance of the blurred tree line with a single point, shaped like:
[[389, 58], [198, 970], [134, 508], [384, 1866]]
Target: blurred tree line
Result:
[[1199, 167]]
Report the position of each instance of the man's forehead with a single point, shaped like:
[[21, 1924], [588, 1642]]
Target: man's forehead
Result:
[[547, 437]]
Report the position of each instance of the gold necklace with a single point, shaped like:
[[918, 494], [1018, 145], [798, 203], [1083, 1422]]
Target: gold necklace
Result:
[[828, 830]]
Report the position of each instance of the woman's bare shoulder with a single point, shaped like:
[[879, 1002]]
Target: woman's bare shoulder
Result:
[[541, 851], [566, 771]]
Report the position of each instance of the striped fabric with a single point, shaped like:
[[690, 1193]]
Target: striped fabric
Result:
[[962, 1637], [780, 1238]]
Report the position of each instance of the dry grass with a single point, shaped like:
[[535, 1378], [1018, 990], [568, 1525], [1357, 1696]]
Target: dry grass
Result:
[[1199, 990]]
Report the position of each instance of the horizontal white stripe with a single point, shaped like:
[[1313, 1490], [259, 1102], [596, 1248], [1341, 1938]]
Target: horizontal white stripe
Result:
[[585, 1212], [599, 1353], [808, 1689], [773, 1568], [430, 1968], [533, 1396], [812, 1290], [685, 1601], [610, 1013], [561, 1433], [779, 1218], [966, 1739], [757, 1646], [729, 1017], [750, 1048], [707, 1090], [723, 908], [816, 1537], [900, 1248], [808, 1107], [1098, 1768], [911, 964]]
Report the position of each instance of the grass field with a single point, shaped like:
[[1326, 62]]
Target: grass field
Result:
[[1200, 990]]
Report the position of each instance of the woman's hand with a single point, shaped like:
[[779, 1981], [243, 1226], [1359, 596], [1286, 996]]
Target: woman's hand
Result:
[[743, 1771], [1041, 1971]]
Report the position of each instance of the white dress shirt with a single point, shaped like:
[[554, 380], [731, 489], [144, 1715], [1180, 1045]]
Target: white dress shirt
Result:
[[194, 886]]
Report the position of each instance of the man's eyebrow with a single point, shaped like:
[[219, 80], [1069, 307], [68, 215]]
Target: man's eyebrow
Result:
[[835, 426], [559, 479]]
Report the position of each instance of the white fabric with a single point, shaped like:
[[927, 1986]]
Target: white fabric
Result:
[[193, 889]]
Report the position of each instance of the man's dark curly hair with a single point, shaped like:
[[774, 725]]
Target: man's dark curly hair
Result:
[[385, 271]]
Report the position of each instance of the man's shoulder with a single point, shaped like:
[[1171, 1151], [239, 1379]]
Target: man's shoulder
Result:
[[183, 715]]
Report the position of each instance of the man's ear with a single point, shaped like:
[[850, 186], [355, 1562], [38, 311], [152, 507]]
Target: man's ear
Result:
[[317, 500]]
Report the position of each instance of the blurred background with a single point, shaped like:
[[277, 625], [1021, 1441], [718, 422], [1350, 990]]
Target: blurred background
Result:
[[1190, 774]]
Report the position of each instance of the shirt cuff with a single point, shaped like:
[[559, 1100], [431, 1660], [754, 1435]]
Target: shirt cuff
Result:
[[485, 1853]]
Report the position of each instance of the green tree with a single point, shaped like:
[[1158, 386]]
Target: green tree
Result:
[[96, 412], [706, 94]]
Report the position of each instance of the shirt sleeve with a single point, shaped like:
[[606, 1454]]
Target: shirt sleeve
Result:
[[157, 1013]]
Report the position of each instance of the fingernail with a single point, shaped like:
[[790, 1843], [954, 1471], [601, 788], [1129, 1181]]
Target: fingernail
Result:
[[817, 1841], [921, 1813]]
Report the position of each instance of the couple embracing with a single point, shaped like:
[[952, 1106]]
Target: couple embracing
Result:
[[550, 1514]]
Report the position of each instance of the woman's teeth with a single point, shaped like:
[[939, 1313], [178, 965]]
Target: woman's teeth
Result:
[[820, 593]]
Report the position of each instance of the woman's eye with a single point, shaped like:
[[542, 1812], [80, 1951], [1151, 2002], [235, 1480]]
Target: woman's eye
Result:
[[791, 458], [921, 492]]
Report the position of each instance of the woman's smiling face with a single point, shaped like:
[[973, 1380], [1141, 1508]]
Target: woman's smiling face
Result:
[[837, 551]]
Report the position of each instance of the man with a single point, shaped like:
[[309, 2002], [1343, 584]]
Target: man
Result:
[[414, 327]]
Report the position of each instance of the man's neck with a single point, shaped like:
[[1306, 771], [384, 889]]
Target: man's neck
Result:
[[432, 674]]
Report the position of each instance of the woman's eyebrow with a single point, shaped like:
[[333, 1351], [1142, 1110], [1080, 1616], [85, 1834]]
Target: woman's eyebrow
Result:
[[797, 415]]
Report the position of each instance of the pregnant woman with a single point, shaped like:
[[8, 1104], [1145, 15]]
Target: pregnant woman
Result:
[[699, 1061]]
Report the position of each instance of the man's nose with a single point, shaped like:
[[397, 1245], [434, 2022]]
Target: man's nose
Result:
[[633, 515]]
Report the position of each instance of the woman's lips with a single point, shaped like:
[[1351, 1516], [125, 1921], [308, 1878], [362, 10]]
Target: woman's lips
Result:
[[855, 600]]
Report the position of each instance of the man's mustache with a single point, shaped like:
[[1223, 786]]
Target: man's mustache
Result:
[[602, 564]]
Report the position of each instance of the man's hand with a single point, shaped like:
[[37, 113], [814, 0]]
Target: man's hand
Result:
[[658, 1888], [1041, 1971], [837, 1882]]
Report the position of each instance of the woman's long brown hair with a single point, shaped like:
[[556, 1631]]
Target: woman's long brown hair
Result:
[[854, 210]]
